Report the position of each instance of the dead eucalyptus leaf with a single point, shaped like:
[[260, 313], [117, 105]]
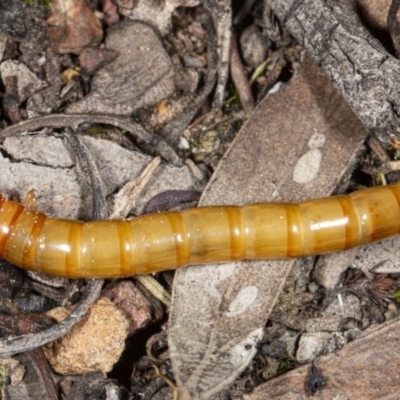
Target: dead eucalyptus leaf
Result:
[[218, 311]]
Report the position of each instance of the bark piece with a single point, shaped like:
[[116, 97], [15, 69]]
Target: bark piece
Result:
[[218, 311], [367, 369], [354, 61], [141, 76], [94, 344]]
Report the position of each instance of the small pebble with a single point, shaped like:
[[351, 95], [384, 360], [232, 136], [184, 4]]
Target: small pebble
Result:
[[93, 344]]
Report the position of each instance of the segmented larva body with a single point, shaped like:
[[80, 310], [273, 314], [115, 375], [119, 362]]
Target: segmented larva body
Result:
[[106, 249]]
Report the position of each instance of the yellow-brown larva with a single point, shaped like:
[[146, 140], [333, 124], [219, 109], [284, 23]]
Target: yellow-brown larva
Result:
[[168, 240]]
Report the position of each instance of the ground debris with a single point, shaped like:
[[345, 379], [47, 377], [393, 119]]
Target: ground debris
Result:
[[73, 26], [142, 75], [94, 344]]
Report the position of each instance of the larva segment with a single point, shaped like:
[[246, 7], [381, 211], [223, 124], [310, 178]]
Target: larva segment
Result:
[[202, 235], [153, 243], [100, 250], [379, 212], [353, 226], [126, 248], [53, 247], [209, 234], [15, 225], [324, 226], [266, 230]]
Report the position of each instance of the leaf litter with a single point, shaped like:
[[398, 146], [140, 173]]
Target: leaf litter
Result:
[[149, 60]]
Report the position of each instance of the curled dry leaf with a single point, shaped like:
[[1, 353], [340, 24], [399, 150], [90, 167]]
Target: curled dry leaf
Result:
[[73, 26]]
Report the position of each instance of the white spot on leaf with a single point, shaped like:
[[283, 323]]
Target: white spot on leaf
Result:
[[307, 166], [316, 140], [243, 300]]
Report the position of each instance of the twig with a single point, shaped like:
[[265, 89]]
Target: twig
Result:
[[10, 346], [149, 142], [89, 167], [240, 79], [124, 200]]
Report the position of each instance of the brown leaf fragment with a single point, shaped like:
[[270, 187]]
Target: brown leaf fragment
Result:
[[367, 368], [170, 199], [110, 12], [93, 58], [11, 99], [73, 26], [134, 304], [141, 76]]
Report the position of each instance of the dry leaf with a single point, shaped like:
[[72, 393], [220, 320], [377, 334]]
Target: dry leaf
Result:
[[218, 311]]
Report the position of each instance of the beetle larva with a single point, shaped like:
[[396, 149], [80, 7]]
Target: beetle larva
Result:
[[156, 242]]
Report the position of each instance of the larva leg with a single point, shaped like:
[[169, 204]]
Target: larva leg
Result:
[[30, 200]]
